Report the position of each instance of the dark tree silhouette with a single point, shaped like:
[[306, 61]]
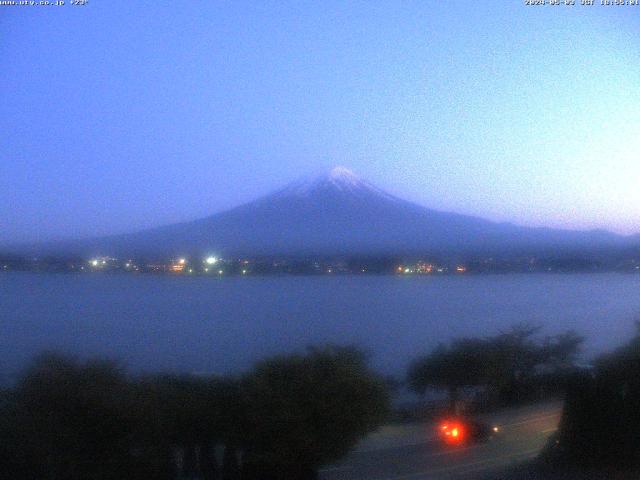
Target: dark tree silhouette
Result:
[[450, 368], [191, 415], [72, 420], [511, 363], [601, 417], [304, 411]]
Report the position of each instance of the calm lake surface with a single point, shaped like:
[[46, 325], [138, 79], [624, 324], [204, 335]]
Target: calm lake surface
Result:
[[222, 325]]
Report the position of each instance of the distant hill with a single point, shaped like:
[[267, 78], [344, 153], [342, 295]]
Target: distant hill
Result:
[[340, 214]]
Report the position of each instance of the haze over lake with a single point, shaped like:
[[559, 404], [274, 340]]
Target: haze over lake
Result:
[[222, 325]]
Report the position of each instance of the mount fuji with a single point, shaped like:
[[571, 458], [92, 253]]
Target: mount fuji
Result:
[[338, 213]]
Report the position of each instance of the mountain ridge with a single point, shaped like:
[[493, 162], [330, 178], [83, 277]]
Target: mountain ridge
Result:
[[338, 213]]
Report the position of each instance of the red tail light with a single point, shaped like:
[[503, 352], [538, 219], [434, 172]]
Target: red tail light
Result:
[[452, 432]]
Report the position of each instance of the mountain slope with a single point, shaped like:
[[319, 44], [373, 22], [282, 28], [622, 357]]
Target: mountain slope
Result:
[[338, 213]]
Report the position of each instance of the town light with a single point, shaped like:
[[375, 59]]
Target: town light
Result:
[[211, 260], [182, 261], [94, 263]]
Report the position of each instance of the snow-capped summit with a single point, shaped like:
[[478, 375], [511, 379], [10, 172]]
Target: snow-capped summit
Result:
[[338, 180], [343, 176]]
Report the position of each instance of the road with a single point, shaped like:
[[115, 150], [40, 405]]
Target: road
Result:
[[412, 452]]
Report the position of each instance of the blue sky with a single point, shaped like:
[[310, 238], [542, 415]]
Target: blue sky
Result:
[[122, 115]]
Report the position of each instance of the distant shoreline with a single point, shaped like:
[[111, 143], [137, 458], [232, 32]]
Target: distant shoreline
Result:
[[312, 275]]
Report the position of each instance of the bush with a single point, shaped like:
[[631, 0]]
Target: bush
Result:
[[69, 420], [601, 417], [514, 365], [305, 411]]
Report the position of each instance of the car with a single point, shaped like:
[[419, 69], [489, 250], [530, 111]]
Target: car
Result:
[[462, 431]]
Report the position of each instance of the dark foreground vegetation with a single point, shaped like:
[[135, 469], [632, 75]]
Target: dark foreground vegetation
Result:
[[292, 414], [598, 437], [600, 426], [67, 419], [599, 433], [507, 369]]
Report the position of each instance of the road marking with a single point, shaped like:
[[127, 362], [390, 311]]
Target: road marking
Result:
[[534, 419], [394, 447], [335, 469], [490, 464], [461, 466]]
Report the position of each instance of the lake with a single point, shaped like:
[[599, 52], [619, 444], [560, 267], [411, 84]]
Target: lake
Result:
[[222, 325]]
